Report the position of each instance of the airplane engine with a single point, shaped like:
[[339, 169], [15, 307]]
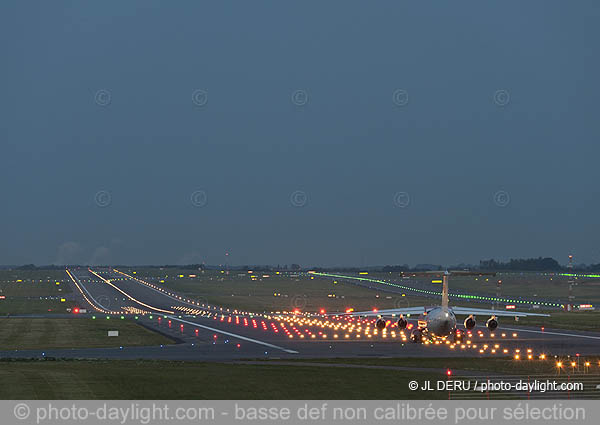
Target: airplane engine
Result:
[[402, 323], [492, 323], [470, 322], [416, 335], [380, 324]]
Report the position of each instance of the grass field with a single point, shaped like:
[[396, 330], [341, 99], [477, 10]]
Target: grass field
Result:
[[579, 320], [532, 286], [277, 292], [238, 290], [127, 379], [45, 305], [526, 285], [24, 283], [41, 283], [29, 333], [34, 292], [194, 380]]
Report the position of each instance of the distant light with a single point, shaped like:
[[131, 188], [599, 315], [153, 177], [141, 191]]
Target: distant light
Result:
[[448, 372]]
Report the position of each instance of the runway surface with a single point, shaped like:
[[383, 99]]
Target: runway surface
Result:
[[215, 334]]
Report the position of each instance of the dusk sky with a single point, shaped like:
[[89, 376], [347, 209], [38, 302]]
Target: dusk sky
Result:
[[311, 132]]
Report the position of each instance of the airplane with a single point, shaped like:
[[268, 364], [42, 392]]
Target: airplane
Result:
[[440, 321]]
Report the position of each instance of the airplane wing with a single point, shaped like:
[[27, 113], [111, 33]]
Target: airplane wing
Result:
[[484, 311], [388, 312]]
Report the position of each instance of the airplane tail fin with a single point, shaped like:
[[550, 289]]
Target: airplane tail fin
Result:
[[445, 291]]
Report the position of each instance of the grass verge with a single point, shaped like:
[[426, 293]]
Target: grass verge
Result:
[[167, 380], [34, 333]]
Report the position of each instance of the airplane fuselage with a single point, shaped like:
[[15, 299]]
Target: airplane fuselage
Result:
[[438, 322]]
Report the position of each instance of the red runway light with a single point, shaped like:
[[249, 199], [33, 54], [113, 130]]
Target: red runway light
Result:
[[238, 345], [448, 372], [76, 310]]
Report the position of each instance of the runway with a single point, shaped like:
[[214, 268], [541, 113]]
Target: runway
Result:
[[212, 333]]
